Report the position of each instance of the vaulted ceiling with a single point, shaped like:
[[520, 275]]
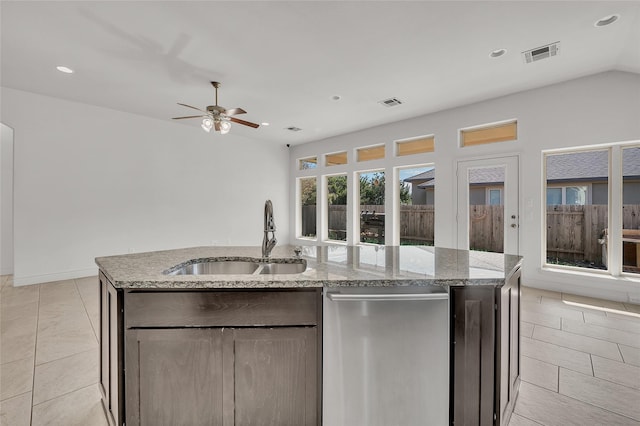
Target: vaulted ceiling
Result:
[[285, 62]]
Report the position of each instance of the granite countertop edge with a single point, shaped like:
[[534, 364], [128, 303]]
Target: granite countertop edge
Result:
[[145, 271]]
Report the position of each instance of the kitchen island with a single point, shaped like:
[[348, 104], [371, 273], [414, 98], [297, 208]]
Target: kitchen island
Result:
[[247, 348]]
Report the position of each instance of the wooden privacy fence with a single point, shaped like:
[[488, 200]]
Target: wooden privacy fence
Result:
[[416, 221], [486, 228], [572, 231]]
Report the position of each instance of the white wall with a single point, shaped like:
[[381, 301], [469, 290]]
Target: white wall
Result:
[[601, 108], [6, 200], [91, 181]]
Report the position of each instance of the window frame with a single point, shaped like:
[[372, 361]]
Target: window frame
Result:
[[615, 183]]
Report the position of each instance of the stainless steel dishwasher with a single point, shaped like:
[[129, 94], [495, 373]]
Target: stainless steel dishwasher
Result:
[[385, 356]]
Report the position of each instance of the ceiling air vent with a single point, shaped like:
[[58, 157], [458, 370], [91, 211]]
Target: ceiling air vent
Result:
[[294, 128], [391, 102], [542, 52]]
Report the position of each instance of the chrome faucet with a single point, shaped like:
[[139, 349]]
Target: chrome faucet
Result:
[[269, 226]]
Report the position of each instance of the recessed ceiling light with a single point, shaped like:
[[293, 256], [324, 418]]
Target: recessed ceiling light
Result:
[[64, 69], [264, 124], [607, 20], [336, 97], [497, 53]]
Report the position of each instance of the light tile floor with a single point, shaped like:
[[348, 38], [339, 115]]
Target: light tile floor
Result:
[[580, 358]]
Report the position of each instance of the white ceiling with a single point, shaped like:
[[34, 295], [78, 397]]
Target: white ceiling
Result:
[[283, 61]]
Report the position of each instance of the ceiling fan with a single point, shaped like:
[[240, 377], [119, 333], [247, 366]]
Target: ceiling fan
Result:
[[218, 117]]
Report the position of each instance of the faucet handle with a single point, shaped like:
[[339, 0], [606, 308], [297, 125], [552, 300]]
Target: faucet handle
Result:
[[298, 251]]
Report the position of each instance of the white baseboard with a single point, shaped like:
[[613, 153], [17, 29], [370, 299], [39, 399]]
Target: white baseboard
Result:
[[58, 276]]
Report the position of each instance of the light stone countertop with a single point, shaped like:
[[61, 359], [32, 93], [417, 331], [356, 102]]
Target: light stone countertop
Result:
[[327, 266]]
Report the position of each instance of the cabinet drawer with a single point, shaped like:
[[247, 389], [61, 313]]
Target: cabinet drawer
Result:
[[221, 308]]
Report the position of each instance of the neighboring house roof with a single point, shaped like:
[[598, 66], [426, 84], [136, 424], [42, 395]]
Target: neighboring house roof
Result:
[[578, 166], [482, 176], [429, 174]]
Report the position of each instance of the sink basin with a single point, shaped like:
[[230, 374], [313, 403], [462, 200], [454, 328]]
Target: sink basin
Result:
[[217, 267], [239, 267], [284, 268]]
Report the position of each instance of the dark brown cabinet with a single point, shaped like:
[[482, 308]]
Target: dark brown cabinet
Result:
[[485, 353], [215, 357]]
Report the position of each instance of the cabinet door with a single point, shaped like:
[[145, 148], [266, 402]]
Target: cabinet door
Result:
[[110, 352], [104, 340], [174, 376], [473, 356], [508, 357], [274, 376]]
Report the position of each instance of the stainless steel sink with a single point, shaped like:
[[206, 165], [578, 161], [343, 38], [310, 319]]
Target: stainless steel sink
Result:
[[216, 267], [240, 267], [284, 268]]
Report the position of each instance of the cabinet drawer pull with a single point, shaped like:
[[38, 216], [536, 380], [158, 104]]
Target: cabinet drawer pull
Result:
[[388, 297]]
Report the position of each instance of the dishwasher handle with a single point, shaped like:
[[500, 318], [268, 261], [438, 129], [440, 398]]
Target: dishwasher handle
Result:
[[385, 297]]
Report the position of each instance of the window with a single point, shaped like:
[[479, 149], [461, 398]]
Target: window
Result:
[[308, 163], [489, 134], [631, 210], [370, 153], [568, 195], [360, 214], [417, 210], [336, 159], [495, 197], [372, 216], [575, 227], [415, 146], [307, 205], [337, 208]]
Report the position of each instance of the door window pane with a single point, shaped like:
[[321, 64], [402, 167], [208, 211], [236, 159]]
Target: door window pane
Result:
[[372, 215], [308, 207], [417, 203], [576, 228], [337, 207], [631, 210], [486, 219]]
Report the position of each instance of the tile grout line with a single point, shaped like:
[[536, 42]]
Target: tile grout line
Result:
[[525, 417], [84, 305], [593, 371], [582, 335], [65, 394], [621, 354], [597, 378], [35, 351], [583, 402]]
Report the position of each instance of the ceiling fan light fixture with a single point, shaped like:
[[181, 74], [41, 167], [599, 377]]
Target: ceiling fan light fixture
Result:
[[207, 124], [225, 126]]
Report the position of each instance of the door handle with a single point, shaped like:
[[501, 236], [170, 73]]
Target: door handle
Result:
[[388, 297]]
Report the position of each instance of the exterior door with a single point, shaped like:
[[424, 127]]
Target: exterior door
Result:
[[488, 200]]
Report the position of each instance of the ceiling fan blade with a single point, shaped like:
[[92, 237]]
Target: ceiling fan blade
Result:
[[235, 111], [192, 107], [188, 116], [245, 123]]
